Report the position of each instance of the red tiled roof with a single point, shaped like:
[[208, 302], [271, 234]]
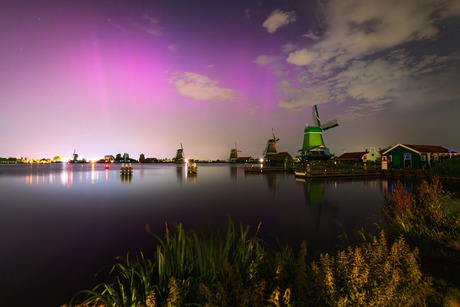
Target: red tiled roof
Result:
[[352, 155], [429, 148], [244, 158], [281, 156]]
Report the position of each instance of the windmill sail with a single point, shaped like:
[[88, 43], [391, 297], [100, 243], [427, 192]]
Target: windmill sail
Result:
[[330, 124], [316, 116]]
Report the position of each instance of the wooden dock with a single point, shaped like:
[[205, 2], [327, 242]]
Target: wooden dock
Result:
[[313, 171], [334, 173], [257, 168]]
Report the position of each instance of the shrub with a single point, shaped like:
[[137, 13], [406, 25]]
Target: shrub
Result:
[[370, 274], [424, 215], [447, 168]]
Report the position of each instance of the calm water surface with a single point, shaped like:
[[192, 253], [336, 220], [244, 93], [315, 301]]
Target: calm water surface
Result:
[[60, 223]]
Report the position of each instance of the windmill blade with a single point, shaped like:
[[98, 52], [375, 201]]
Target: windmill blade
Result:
[[316, 116], [331, 124]]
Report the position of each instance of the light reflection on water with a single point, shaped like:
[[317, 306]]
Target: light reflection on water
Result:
[[61, 223]]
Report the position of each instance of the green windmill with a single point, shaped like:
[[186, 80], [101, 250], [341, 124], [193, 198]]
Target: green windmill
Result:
[[313, 144]]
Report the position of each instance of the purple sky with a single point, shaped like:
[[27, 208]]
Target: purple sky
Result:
[[107, 77]]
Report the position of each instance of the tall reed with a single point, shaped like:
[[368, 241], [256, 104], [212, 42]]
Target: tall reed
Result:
[[194, 269]]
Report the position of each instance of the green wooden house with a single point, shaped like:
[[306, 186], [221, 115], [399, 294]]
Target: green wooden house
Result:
[[416, 156]]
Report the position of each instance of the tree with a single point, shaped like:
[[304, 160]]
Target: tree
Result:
[[118, 157], [142, 158]]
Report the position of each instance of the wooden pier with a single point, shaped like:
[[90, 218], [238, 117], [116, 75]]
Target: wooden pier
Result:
[[257, 168], [336, 172]]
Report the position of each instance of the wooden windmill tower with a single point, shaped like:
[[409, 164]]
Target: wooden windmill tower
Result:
[[270, 149], [313, 143], [234, 154], [180, 158]]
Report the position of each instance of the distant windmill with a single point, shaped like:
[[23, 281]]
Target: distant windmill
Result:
[[234, 154], [270, 149], [313, 144], [75, 156], [180, 158]]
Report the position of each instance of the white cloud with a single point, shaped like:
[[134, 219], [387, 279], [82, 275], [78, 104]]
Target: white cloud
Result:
[[173, 48], [200, 87], [278, 19], [264, 60], [358, 28], [362, 57], [252, 109], [301, 57], [149, 25]]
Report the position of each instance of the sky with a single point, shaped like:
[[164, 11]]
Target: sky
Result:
[[105, 77]]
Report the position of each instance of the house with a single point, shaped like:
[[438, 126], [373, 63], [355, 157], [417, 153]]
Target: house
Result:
[[352, 157], [244, 160], [416, 156], [281, 157], [372, 156]]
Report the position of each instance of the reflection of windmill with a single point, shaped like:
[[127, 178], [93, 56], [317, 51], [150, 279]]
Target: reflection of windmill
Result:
[[180, 155], [270, 149], [314, 196], [234, 154], [313, 143]]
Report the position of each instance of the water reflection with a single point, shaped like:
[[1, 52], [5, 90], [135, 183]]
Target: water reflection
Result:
[[126, 178], [179, 173], [71, 208], [191, 177], [233, 173], [314, 191]]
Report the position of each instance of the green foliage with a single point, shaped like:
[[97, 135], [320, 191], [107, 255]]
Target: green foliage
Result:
[[370, 274], [424, 216], [447, 168], [190, 269]]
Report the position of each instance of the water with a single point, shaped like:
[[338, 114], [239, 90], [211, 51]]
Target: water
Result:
[[60, 223]]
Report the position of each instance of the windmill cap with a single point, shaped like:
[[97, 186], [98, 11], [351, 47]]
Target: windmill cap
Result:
[[313, 129]]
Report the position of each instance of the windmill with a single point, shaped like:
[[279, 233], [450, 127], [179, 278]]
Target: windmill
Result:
[[270, 149], [74, 156], [234, 154], [313, 144], [180, 158]]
